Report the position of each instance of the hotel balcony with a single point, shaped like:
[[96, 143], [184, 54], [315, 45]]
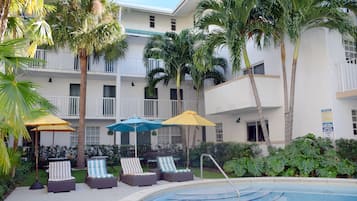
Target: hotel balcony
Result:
[[65, 61], [105, 108], [237, 95], [347, 80]]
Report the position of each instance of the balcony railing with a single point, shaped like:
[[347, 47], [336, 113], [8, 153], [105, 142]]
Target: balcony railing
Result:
[[68, 107], [347, 76], [135, 66], [105, 108], [66, 61], [152, 108]]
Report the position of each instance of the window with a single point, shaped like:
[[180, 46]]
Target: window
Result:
[[174, 102], [77, 64], [354, 122], [39, 55], [108, 100], [257, 69], [150, 103], [109, 67], [152, 21], [92, 135], [173, 24], [74, 138], [169, 135], [255, 132], [153, 64], [219, 132], [74, 90], [350, 51]]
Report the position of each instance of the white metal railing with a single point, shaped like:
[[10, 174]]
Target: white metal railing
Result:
[[152, 108], [347, 76], [68, 107], [67, 61], [220, 169]]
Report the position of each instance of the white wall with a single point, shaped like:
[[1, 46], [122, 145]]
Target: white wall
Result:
[[134, 19]]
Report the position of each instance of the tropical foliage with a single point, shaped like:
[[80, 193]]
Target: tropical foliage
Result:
[[235, 23], [306, 156], [293, 19], [85, 26]]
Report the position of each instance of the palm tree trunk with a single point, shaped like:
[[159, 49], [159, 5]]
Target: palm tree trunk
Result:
[[82, 108], [285, 88], [4, 12], [179, 107], [196, 128], [292, 88], [257, 98]]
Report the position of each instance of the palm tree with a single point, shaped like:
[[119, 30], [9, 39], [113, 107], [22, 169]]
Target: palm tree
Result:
[[25, 19], [19, 100], [85, 26], [198, 78], [302, 15], [176, 51], [235, 26]]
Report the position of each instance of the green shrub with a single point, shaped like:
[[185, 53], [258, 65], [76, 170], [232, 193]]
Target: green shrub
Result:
[[347, 148], [306, 156], [222, 152]]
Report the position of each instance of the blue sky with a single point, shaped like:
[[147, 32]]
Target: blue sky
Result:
[[166, 4]]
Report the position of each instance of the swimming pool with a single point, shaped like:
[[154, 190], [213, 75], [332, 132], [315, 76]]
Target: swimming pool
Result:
[[258, 189]]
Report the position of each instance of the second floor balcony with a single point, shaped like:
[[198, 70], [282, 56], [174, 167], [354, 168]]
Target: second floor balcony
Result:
[[237, 95], [65, 61], [106, 108], [346, 79]]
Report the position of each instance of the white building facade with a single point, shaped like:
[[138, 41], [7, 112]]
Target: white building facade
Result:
[[326, 87]]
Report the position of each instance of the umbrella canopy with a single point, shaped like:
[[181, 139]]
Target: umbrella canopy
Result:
[[188, 118], [48, 119], [59, 128], [135, 124]]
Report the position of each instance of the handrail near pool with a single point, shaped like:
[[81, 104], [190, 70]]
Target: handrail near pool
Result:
[[220, 169]]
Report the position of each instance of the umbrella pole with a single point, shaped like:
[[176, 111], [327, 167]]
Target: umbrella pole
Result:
[[136, 147], [188, 148], [37, 184], [53, 138]]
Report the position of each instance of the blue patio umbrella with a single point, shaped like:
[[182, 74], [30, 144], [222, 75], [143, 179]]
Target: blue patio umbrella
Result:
[[135, 124]]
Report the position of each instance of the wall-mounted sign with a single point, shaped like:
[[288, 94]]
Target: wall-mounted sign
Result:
[[327, 123]]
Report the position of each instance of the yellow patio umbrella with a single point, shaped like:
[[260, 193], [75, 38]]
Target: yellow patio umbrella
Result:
[[54, 128], [46, 120], [188, 118]]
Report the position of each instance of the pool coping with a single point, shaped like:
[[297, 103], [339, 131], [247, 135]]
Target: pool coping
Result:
[[146, 193]]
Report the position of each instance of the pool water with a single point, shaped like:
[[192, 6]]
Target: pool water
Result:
[[261, 191]]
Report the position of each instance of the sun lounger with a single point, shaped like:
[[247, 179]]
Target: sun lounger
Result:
[[133, 174], [97, 176], [169, 171], [59, 177]]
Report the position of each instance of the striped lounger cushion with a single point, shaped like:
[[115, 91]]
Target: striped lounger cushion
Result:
[[131, 166], [98, 169], [167, 164], [59, 171]]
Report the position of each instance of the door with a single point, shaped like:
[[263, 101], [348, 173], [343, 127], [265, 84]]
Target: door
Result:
[[109, 100], [144, 138], [174, 102], [73, 100], [150, 103]]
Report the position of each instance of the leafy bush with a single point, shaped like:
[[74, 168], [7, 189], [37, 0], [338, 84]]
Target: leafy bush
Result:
[[347, 148], [306, 156], [222, 152]]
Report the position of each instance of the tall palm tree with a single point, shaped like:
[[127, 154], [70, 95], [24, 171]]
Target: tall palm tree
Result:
[[19, 100], [176, 51], [25, 19], [302, 15], [235, 26], [85, 26], [198, 77]]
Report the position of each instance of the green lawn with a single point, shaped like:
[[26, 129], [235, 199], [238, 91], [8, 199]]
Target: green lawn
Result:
[[80, 175]]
